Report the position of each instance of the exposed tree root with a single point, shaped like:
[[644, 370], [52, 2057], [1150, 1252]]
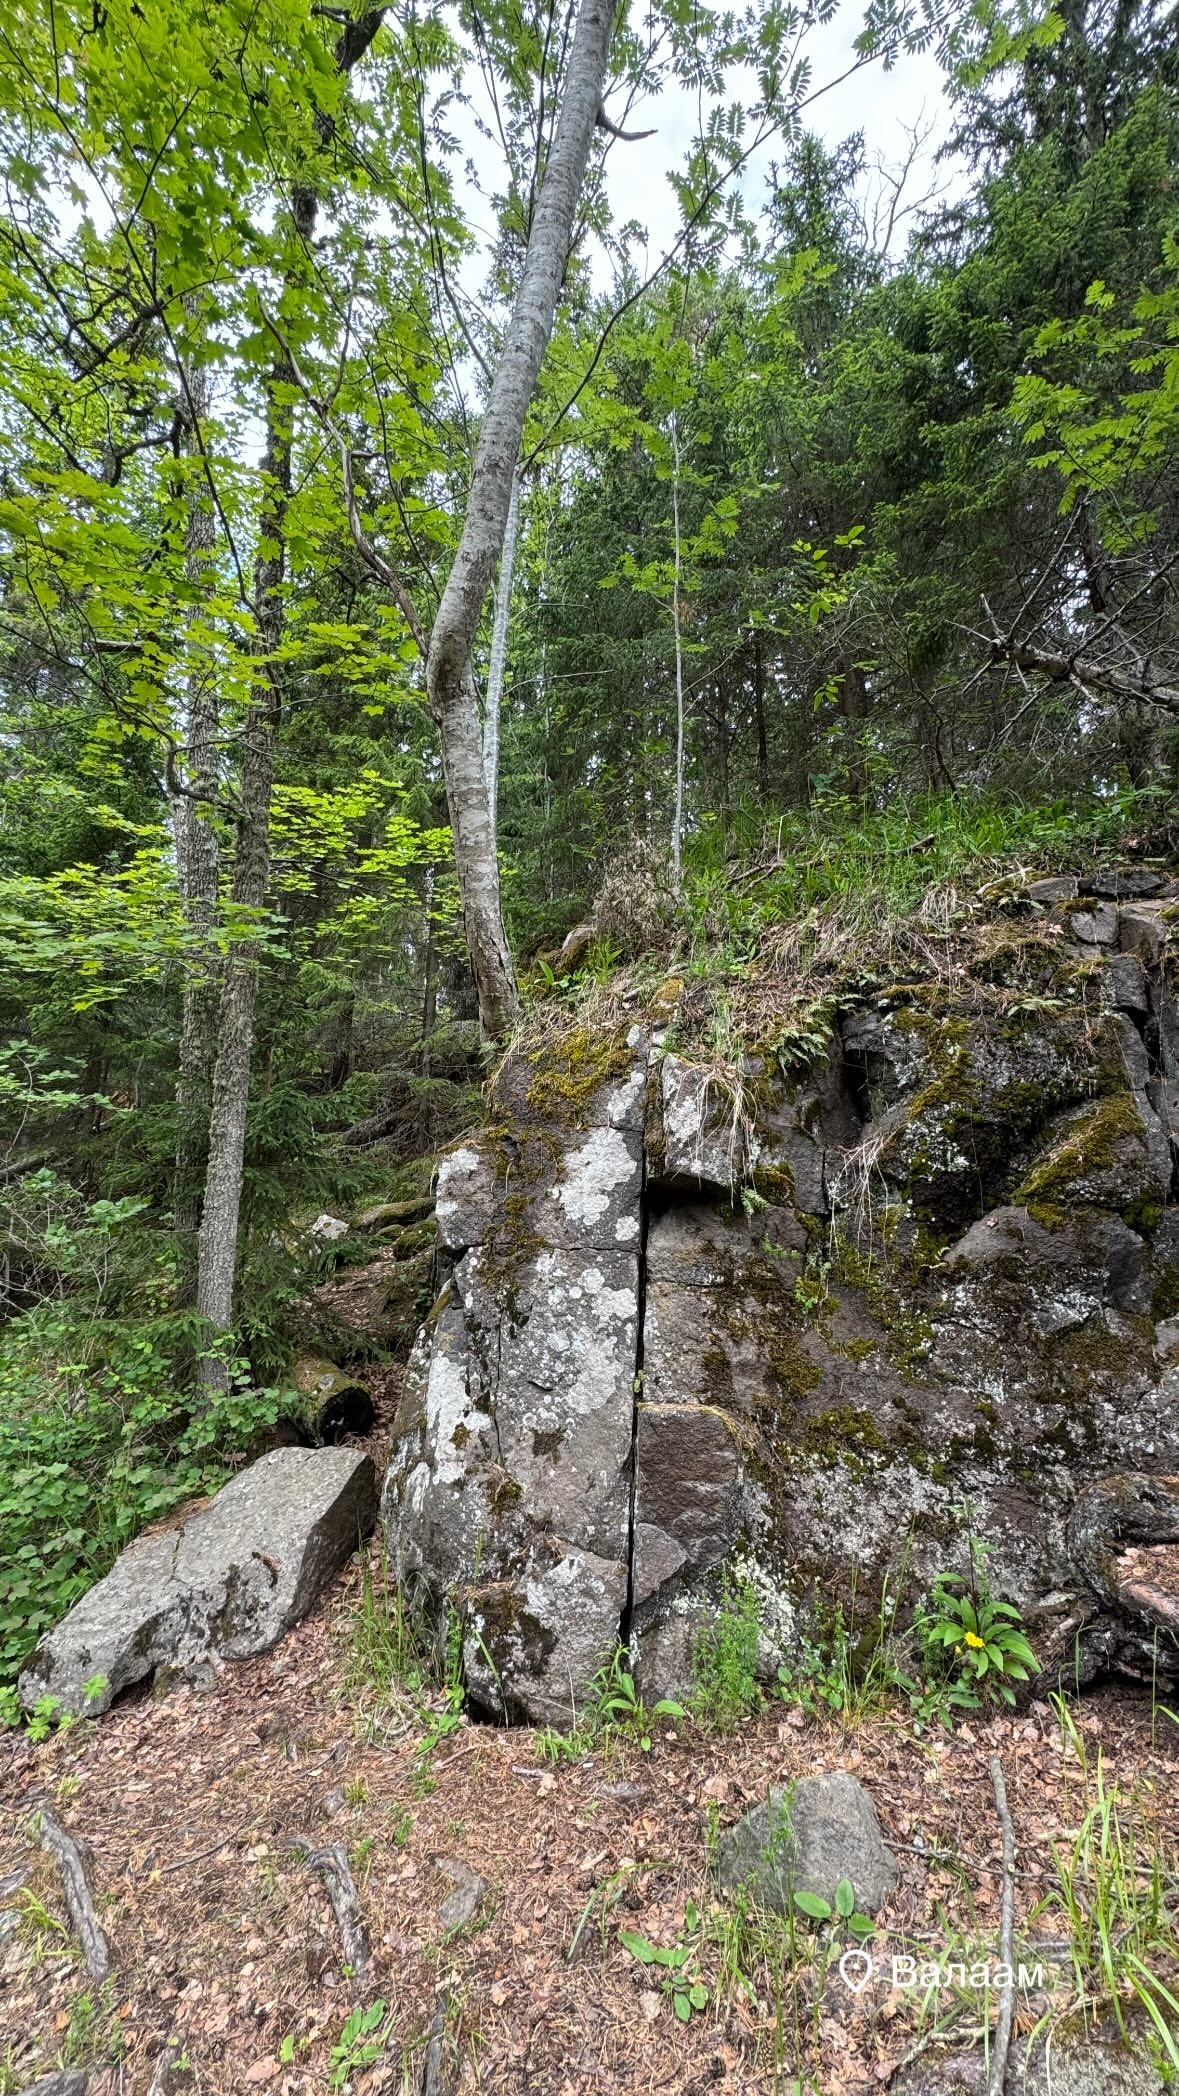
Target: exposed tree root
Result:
[[78, 1896], [332, 1866]]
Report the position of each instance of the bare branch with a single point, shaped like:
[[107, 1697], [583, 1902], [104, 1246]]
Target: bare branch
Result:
[[628, 137]]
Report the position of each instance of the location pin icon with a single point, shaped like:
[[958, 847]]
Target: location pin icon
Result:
[[855, 1970]]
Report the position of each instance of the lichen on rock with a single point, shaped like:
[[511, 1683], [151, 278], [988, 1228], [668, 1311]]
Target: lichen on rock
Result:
[[787, 1323]]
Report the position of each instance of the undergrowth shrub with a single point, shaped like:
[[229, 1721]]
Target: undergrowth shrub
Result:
[[99, 1434], [724, 1662], [96, 1441]]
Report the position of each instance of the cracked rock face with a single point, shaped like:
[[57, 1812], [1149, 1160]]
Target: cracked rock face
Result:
[[510, 1485], [225, 1585], [692, 1335]]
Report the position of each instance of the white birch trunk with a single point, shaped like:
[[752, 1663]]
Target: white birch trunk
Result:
[[449, 674], [497, 666]]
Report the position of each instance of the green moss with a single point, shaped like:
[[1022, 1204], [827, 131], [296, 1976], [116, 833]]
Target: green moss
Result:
[[1090, 1353], [857, 1349], [1143, 1215], [792, 1367], [841, 1434], [1165, 1300], [569, 1072], [907, 1332], [1090, 1145], [1031, 961], [775, 1181]]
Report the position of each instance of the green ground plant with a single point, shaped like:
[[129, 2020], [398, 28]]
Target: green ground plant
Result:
[[1114, 1902], [962, 1648], [673, 1966], [361, 2041], [725, 1687], [972, 1645], [613, 1711], [98, 1435]]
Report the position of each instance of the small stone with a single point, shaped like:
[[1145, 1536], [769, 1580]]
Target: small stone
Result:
[[1118, 881], [70, 2082], [1095, 927], [808, 1839], [1142, 936], [329, 1228], [1055, 888], [462, 1906]]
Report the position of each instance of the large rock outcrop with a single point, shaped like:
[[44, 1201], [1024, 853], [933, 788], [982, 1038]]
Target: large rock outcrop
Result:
[[810, 1326], [225, 1585]]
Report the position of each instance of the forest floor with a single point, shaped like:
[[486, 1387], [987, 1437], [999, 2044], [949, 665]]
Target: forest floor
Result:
[[224, 1945]]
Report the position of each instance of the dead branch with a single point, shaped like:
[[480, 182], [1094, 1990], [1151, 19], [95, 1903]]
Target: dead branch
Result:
[[998, 2073], [375, 562], [1082, 670], [628, 138], [78, 1896], [331, 1865]]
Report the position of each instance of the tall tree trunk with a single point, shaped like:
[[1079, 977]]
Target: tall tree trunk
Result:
[[497, 666], [221, 1214], [449, 675], [430, 976], [759, 716], [217, 1247], [677, 827], [198, 865], [854, 699]]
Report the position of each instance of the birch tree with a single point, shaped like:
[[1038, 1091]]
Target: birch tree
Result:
[[450, 672]]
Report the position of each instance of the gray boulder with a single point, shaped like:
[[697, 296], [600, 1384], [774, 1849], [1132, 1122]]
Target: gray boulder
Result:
[[1062, 2062], [807, 1839], [69, 2081], [225, 1585], [692, 1341]]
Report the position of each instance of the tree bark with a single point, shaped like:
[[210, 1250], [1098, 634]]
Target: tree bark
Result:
[[854, 700], [497, 666], [217, 1244], [430, 976], [198, 867], [449, 674], [759, 716], [221, 1213]]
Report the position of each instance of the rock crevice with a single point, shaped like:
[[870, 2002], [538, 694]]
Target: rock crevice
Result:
[[788, 1327]]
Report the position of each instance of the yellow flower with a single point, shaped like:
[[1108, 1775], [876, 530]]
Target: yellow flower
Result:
[[975, 1643]]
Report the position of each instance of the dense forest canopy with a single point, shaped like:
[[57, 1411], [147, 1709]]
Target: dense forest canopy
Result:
[[393, 564]]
